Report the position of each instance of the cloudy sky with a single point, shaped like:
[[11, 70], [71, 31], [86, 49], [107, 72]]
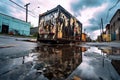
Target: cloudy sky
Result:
[[88, 12]]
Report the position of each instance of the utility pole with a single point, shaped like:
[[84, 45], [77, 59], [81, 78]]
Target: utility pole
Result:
[[27, 11], [102, 24], [102, 28]]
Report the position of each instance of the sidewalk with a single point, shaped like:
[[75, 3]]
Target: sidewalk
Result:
[[18, 38], [28, 40], [102, 44]]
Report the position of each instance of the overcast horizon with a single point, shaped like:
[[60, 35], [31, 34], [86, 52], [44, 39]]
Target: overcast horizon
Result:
[[88, 12]]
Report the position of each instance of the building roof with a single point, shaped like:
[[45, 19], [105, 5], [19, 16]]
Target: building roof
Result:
[[108, 26], [13, 17], [115, 14], [55, 9], [59, 7]]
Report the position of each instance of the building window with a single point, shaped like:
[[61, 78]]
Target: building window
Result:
[[118, 18], [114, 24]]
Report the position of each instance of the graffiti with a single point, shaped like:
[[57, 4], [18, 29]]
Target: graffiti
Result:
[[59, 24]]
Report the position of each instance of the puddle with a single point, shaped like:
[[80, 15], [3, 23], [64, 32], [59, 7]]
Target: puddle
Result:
[[111, 50], [96, 65], [59, 61], [65, 62]]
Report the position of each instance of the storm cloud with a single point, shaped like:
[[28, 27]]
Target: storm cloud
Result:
[[4, 8], [95, 21], [85, 3], [81, 4]]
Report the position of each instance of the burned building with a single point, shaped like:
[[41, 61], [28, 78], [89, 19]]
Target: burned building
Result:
[[58, 25]]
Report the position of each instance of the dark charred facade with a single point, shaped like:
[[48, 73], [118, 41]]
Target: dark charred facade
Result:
[[59, 24]]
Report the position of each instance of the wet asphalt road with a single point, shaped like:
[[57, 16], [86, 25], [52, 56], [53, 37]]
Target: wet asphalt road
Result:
[[20, 60], [11, 47]]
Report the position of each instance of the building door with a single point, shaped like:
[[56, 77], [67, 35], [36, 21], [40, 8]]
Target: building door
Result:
[[5, 29]]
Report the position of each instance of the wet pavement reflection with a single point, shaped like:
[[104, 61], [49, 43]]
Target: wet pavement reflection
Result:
[[63, 62], [113, 54], [59, 60]]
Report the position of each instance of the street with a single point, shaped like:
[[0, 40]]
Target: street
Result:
[[22, 60]]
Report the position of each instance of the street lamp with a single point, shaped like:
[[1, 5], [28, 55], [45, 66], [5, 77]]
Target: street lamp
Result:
[[35, 8]]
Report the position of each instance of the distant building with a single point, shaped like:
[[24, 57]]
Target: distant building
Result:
[[11, 25], [107, 32], [99, 39], [115, 26], [33, 30], [107, 29], [89, 39], [104, 36], [84, 37]]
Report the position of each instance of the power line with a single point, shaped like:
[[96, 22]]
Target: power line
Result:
[[33, 15], [17, 4], [12, 5], [33, 9], [24, 8], [111, 9], [114, 5]]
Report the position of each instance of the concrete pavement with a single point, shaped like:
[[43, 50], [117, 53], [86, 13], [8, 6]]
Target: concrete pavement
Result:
[[110, 44]]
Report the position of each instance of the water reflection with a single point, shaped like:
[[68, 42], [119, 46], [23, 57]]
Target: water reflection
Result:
[[96, 66], [116, 64], [114, 55], [84, 49], [59, 61], [111, 50], [65, 62]]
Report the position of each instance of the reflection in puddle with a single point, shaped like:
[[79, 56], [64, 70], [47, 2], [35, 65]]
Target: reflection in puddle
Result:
[[96, 66], [65, 62], [111, 50], [116, 64], [114, 55], [59, 61]]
